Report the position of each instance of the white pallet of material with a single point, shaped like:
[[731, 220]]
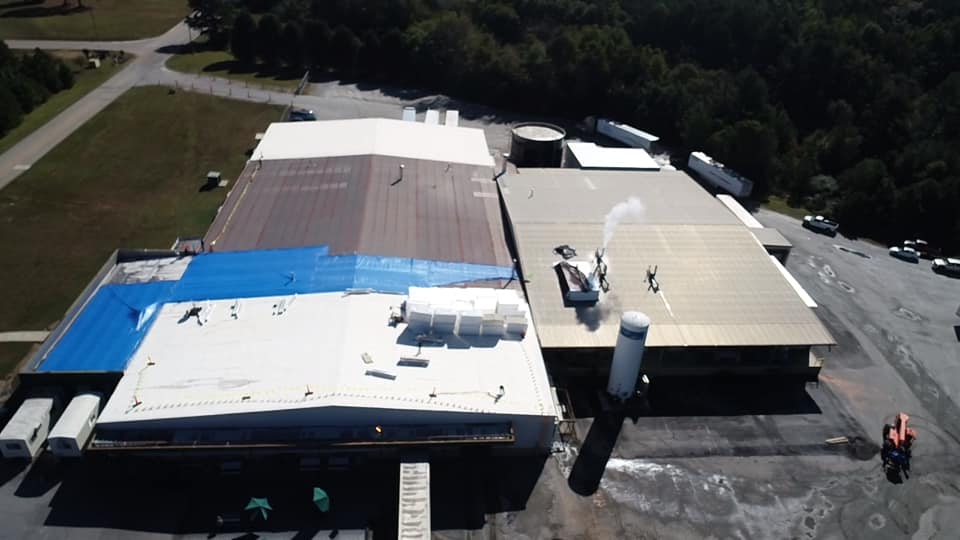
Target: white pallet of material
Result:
[[517, 325], [493, 325], [445, 320], [471, 322]]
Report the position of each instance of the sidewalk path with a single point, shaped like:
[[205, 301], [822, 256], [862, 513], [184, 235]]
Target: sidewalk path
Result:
[[24, 336], [329, 101], [148, 60]]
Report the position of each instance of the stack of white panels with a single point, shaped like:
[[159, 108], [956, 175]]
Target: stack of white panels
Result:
[[444, 320], [466, 311], [517, 325], [493, 325], [470, 323]]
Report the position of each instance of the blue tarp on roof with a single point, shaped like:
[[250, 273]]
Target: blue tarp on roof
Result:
[[113, 323], [244, 274], [109, 328]]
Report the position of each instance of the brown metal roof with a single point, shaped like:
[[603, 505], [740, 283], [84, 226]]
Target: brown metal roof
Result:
[[358, 204]]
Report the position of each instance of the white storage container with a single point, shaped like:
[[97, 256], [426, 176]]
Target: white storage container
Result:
[[25, 433], [75, 426]]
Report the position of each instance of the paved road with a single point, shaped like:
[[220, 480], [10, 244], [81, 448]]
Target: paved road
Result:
[[330, 100], [335, 101], [24, 336], [148, 60]]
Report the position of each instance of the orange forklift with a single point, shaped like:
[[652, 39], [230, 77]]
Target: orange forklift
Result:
[[897, 444]]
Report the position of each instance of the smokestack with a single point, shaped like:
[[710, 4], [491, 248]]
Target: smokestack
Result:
[[628, 355]]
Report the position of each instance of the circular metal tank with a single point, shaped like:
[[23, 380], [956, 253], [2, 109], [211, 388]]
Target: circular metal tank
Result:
[[627, 357], [537, 144]]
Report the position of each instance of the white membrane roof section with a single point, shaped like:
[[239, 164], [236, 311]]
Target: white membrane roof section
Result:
[[316, 354], [591, 156], [374, 136]]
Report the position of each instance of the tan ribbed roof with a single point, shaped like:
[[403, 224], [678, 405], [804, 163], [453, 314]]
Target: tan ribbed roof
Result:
[[718, 286]]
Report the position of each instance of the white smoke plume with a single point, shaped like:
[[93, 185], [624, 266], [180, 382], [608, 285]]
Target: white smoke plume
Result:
[[630, 208]]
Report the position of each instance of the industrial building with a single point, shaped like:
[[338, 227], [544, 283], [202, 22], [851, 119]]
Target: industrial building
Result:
[[356, 292], [374, 186], [299, 349], [717, 300], [374, 288]]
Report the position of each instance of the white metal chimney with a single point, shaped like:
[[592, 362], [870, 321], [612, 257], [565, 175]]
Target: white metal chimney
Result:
[[627, 357]]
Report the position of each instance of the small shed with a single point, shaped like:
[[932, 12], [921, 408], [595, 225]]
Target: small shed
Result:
[[72, 432], [24, 434], [93, 63], [213, 178]]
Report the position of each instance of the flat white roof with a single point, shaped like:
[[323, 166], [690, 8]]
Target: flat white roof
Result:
[[738, 210], [374, 136], [591, 156], [313, 355]]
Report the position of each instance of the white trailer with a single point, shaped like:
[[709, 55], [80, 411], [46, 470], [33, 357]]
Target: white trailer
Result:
[[72, 432], [626, 134], [25, 433], [719, 175]]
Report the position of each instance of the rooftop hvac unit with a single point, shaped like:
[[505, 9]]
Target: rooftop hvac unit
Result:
[[582, 281]]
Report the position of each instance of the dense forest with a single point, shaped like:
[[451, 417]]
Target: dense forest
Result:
[[846, 107], [27, 81]]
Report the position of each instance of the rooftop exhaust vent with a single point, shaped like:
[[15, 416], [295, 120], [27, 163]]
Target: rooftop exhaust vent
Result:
[[582, 281]]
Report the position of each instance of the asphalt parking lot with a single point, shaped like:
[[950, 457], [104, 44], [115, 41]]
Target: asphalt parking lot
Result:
[[760, 467]]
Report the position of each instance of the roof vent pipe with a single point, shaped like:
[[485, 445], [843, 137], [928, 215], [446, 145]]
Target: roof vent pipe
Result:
[[628, 355]]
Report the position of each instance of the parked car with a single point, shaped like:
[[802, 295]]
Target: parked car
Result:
[[947, 267], [821, 225], [925, 250], [301, 115], [905, 253]]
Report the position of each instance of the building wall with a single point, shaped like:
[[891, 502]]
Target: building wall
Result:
[[533, 433], [689, 361]]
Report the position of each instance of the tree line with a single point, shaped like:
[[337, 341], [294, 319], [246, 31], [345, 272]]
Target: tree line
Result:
[[26, 81], [846, 107]]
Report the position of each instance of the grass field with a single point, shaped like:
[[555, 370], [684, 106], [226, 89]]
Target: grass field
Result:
[[86, 80], [102, 20], [222, 64], [130, 177], [10, 355], [780, 205]]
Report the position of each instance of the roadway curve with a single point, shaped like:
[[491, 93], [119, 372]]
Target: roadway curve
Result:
[[329, 101], [149, 59]]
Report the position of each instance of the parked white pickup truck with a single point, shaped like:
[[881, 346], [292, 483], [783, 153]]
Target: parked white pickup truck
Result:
[[821, 224]]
